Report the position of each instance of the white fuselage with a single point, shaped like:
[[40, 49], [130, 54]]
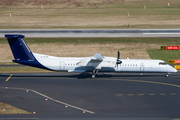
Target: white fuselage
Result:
[[108, 64]]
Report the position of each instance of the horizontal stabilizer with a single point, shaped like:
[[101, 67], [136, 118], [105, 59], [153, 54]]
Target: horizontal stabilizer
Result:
[[14, 36]]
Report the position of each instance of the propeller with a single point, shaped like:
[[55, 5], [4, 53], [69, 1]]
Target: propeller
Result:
[[118, 57]]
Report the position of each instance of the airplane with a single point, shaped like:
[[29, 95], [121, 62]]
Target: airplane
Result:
[[96, 63]]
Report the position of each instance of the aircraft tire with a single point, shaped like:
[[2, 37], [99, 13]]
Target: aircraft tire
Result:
[[93, 76], [166, 75]]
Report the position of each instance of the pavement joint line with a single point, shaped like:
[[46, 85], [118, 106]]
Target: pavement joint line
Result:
[[18, 118], [66, 104], [161, 33], [146, 94], [8, 77]]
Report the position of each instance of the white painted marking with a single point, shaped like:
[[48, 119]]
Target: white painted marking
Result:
[[161, 33], [155, 29], [78, 108]]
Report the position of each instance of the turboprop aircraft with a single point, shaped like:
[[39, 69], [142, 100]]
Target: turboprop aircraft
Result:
[[94, 64]]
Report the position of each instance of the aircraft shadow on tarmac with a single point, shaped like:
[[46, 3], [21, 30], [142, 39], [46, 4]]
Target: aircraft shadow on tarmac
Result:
[[82, 75], [101, 75]]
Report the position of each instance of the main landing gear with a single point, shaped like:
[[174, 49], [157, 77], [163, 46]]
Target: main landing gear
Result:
[[94, 73]]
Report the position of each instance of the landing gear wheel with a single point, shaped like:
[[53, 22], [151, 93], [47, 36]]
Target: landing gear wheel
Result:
[[93, 76], [94, 73], [167, 75]]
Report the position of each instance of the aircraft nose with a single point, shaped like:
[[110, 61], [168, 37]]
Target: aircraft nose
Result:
[[172, 69]]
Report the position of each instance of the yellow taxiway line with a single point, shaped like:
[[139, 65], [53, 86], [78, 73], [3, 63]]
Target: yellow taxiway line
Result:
[[8, 77]]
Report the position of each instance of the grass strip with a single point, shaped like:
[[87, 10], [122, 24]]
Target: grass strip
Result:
[[164, 54], [162, 41], [8, 109], [25, 69]]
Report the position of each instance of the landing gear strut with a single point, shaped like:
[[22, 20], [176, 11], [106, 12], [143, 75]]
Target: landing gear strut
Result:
[[94, 73]]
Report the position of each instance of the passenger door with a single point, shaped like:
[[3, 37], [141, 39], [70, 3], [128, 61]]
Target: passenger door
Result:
[[62, 65], [141, 66]]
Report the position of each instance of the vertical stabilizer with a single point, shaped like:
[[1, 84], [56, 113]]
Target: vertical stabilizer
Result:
[[19, 48], [21, 52]]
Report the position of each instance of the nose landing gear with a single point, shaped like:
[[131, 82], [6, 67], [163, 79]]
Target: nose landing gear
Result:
[[167, 75]]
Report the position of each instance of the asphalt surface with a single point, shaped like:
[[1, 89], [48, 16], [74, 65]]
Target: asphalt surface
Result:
[[54, 96], [92, 33]]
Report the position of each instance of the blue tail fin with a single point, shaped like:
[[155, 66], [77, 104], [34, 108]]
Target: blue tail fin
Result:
[[19, 48], [21, 52]]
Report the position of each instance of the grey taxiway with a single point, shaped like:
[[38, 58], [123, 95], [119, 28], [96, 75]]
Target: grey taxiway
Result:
[[128, 96], [92, 33]]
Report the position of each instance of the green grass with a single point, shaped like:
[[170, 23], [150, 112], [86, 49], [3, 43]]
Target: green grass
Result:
[[164, 54], [162, 41], [25, 69]]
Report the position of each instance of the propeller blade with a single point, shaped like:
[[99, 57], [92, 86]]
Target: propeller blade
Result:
[[118, 55], [118, 61]]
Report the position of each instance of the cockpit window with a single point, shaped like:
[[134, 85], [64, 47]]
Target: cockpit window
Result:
[[162, 63]]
